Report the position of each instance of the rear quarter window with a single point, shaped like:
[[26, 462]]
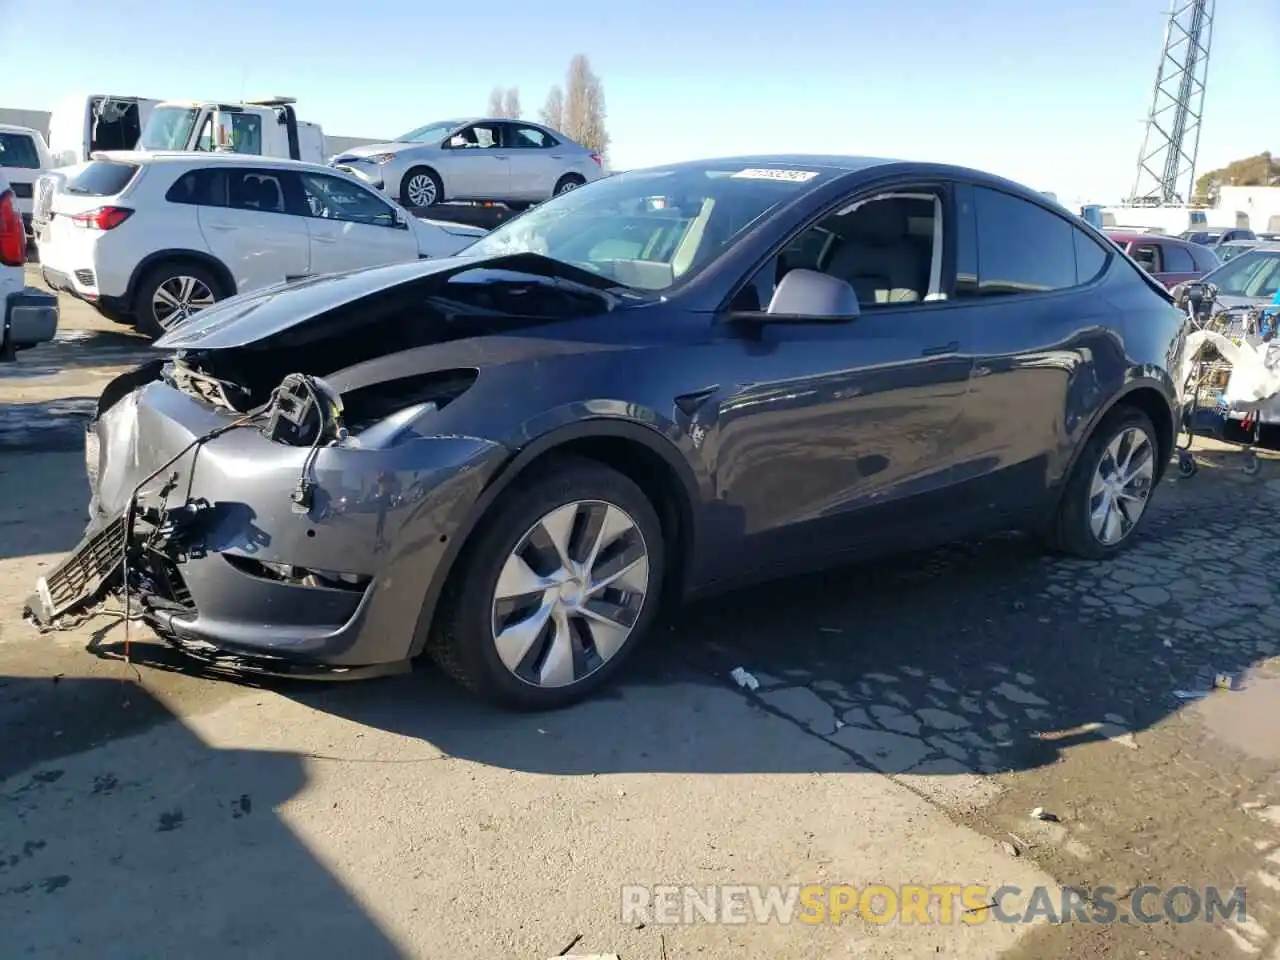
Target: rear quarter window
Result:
[[102, 178]]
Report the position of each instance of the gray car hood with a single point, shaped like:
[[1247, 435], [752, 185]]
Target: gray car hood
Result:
[[251, 317], [254, 316]]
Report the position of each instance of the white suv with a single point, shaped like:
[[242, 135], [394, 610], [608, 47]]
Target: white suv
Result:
[[27, 316], [151, 238]]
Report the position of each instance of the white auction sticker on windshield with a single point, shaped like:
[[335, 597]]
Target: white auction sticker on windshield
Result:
[[764, 173]]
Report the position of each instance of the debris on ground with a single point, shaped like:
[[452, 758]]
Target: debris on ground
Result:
[[1191, 694], [1225, 681], [1010, 848], [1040, 813], [744, 679]]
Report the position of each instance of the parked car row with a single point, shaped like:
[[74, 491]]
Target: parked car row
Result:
[[667, 383], [152, 239]]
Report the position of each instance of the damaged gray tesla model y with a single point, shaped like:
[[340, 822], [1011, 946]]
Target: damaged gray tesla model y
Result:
[[661, 385]]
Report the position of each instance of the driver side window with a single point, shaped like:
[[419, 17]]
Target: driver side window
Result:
[[888, 248]]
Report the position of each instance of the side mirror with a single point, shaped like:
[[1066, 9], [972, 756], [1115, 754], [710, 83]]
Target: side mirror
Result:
[[806, 295], [223, 132]]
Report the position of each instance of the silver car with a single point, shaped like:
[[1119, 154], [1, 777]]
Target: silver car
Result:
[[511, 161], [1250, 279]]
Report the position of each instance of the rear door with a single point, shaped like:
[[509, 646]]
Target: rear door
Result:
[[249, 218], [537, 161], [350, 226], [1039, 333]]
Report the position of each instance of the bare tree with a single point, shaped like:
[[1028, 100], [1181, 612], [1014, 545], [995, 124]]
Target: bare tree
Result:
[[495, 102], [584, 108], [511, 103], [552, 112]]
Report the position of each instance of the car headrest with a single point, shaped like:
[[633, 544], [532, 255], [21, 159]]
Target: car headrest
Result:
[[879, 223], [268, 195]]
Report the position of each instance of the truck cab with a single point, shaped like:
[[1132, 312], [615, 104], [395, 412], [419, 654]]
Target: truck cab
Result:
[[266, 128]]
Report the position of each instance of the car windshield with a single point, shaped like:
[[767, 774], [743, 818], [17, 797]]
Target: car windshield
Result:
[[651, 229], [432, 131], [1255, 274], [18, 150], [168, 128]]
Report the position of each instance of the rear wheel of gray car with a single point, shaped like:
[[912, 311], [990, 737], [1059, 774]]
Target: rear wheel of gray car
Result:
[[570, 181], [171, 293], [1107, 494], [557, 586], [421, 187]]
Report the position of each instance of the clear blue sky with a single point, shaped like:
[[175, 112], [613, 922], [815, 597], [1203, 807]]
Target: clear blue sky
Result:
[[1049, 93]]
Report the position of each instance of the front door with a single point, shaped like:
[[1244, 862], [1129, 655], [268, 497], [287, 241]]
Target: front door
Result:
[[476, 166], [534, 165], [350, 226], [838, 437]]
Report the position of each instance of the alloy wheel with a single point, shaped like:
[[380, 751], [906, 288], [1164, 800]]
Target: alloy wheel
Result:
[[421, 190], [178, 298], [1121, 486], [569, 594], [567, 186]]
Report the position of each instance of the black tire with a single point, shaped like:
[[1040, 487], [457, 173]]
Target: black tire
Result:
[[430, 174], [1070, 531], [145, 318], [570, 181], [462, 639]]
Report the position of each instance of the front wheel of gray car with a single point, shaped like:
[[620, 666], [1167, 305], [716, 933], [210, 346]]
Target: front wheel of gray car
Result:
[[558, 585], [421, 187], [1110, 487]]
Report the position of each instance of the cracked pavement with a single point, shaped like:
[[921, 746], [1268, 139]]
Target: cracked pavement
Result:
[[909, 715]]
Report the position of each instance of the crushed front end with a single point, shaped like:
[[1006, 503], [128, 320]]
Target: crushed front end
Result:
[[282, 537]]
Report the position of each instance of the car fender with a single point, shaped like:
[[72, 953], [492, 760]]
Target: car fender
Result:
[[546, 443], [1137, 378], [150, 260]]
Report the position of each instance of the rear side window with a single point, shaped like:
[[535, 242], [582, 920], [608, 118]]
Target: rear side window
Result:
[[262, 190], [1022, 248], [102, 178], [17, 150], [1091, 256], [1177, 259]]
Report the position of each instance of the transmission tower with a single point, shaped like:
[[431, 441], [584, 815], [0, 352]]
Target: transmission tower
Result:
[[1167, 163]]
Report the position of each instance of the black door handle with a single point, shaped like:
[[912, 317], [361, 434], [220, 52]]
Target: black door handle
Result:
[[951, 347]]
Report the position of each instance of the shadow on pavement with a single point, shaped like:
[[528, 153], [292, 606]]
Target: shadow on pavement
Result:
[[79, 348], [191, 833], [975, 658]]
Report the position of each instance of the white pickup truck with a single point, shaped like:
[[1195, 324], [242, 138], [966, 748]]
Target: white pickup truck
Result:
[[267, 128], [27, 316]]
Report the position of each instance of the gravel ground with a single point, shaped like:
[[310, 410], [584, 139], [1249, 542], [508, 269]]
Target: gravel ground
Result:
[[910, 714]]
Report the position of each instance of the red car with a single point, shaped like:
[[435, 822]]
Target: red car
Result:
[[1168, 259]]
